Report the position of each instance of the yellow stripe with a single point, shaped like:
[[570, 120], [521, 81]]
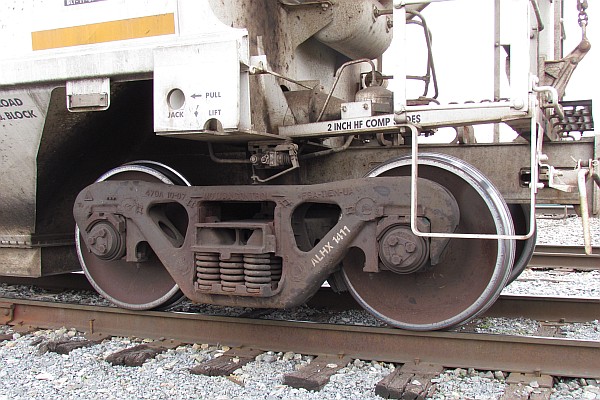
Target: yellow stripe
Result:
[[111, 31]]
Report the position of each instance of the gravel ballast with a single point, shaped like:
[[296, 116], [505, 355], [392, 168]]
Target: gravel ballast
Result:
[[27, 372]]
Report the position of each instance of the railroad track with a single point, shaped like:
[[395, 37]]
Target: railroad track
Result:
[[539, 308], [552, 356], [571, 257], [423, 355], [542, 356], [553, 211]]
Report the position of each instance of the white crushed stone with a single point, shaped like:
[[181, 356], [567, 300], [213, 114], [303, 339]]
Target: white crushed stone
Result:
[[566, 231], [83, 374]]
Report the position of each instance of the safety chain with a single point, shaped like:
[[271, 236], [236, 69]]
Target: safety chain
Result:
[[582, 6]]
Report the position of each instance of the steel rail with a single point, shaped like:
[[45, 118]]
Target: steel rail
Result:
[[557, 357], [553, 211], [542, 308], [539, 308], [574, 257]]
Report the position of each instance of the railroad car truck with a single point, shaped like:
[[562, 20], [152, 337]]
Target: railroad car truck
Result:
[[244, 153]]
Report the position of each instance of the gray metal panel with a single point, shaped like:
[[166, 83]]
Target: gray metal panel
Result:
[[22, 115], [20, 262]]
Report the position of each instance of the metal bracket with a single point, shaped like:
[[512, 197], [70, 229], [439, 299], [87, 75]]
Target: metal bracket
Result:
[[282, 155], [88, 95], [558, 73], [6, 313], [552, 99]]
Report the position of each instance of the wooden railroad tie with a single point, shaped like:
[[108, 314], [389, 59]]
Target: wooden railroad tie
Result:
[[66, 345], [528, 387], [225, 365], [411, 381], [316, 374], [137, 355]]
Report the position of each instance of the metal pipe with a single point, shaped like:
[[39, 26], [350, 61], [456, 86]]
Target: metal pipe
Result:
[[258, 71], [430, 64], [329, 151], [256, 178], [337, 78], [378, 13], [585, 216], [538, 15], [218, 160], [409, 2], [398, 47]]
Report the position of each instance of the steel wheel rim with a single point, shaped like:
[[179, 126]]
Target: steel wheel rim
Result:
[[454, 307], [163, 295], [524, 248]]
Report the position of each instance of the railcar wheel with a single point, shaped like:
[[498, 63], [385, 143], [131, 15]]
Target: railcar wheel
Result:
[[136, 286], [524, 248], [471, 272]]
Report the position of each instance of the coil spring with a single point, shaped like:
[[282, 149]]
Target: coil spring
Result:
[[207, 270], [275, 271], [261, 270], [232, 272]]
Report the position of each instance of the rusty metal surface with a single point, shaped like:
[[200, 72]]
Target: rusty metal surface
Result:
[[503, 172], [571, 257], [538, 308], [557, 357], [6, 312], [469, 276], [134, 285], [542, 308], [191, 263], [532, 307]]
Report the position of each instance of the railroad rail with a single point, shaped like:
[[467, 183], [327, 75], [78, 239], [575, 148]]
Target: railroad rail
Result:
[[552, 356], [559, 357], [572, 257], [539, 308], [553, 211]]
